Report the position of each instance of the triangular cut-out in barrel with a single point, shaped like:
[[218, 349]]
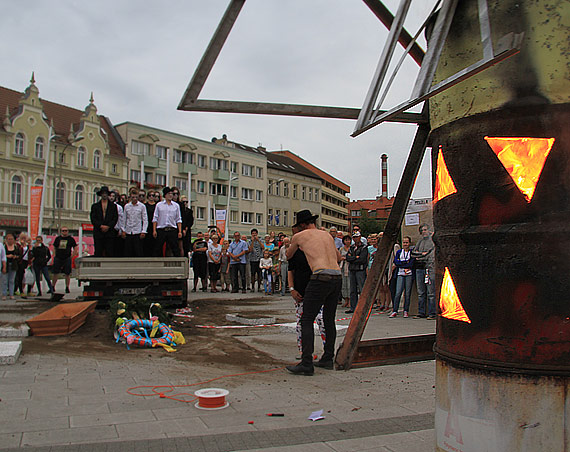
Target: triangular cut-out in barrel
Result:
[[451, 307], [444, 185], [523, 158]]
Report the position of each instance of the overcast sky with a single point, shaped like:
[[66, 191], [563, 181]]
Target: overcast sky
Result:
[[138, 57]]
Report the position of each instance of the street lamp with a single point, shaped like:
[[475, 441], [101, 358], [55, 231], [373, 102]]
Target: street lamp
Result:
[[232, 178], [57, 178]]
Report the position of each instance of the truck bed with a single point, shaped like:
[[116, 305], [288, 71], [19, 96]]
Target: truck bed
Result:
[[131, 268]]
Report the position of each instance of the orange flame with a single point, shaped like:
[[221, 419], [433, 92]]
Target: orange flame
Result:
[[449, 303], [444, 185], [523, 158]]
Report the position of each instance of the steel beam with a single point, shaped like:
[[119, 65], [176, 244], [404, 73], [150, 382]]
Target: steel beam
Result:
[[211, 54], [266, 108], [394, 350], [386, 17], [345, 353]]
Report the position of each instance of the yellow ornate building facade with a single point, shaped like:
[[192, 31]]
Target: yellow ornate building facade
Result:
[[81, 148]]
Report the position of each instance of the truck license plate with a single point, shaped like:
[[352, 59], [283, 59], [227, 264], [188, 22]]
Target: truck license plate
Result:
[[131, 290]]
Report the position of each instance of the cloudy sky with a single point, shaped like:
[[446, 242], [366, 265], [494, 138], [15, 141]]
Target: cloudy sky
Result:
[[138, 57]]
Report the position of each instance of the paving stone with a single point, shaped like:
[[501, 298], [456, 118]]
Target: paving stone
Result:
[[10, 331], [10, 440], [65, 436], [9, 351], [110, 418], [19, 426]]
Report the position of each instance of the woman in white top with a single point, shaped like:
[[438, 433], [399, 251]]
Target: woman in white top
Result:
[[214, 259]]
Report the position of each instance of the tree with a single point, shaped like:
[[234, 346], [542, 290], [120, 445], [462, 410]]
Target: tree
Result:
[[370, 225]]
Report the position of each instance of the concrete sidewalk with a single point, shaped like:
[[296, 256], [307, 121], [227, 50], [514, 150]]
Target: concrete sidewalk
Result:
[[55, 402]]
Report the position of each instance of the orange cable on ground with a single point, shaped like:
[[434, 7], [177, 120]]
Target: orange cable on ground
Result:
[[162, 394]]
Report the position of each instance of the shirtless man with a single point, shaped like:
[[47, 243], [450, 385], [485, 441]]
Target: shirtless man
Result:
[[323, 290]]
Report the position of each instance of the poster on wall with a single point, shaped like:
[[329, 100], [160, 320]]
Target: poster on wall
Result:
[[221, 222]]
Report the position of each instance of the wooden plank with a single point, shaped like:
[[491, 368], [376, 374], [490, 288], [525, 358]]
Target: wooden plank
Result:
[[394, 350]]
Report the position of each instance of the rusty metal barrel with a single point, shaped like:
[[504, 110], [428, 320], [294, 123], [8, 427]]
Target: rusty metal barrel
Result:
[[501, 149]]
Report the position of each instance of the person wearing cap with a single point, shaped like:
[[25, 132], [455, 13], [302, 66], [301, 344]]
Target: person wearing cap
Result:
[[167, 224], [104, 217], [357, 258], [323, 290]]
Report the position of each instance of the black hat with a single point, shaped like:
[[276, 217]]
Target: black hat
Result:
[[166, 190], [103, 189], [304, 216]]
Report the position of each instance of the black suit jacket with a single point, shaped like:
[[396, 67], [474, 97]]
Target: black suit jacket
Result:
[[109, 219]]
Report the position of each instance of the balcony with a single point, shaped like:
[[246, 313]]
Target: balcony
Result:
[[221, 175], [150, 161], [185, 168], [220, 200]]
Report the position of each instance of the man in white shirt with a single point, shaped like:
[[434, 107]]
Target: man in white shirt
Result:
[[135, 223], [114, 197], [167, 224]]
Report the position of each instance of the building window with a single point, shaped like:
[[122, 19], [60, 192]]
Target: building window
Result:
[[135, 176], [61, 158], [310, 193], [233, 192], [39, 152], [277, 217], [286, 189], [79, 197], [247, 217], [201, 187], [39, 182], [183, 157], [140, 148], [161, 179], [246, 170], [95, 196], [16, 192], [258, 195], [247, 194], [218, 164], [200, 213], [161, 152], [269, 185], [355, 213], [234, 167], [114, 168], [181, 184], [59, 195], [81, 156], [218, 189], [233, 216], [258, 218], [269, 217], [201, 161], [303, 193], [317, 195], [277, 188], [285, 218], [19, 144], [294, 191], [259, 172], [97, 159]]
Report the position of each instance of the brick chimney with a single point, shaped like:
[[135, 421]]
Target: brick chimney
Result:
[[384, 178]]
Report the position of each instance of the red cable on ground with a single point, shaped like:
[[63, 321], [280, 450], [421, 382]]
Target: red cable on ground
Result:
[[162, 394]]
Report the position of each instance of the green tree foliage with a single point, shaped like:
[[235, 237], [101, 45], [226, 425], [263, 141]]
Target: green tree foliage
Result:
[[370, 225]]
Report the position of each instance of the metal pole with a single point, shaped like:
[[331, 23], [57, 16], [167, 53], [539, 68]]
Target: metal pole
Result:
[[345, 353], [168, 167]]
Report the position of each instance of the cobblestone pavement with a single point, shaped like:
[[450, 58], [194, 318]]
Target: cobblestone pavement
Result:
[[51, 402]]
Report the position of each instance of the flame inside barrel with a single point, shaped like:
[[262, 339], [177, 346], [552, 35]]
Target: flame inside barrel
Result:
[[444, 185], [449, 302], [523, 158]]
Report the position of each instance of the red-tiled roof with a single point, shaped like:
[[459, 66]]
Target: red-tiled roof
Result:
[[62, 117], [371, 204], [319, 172]]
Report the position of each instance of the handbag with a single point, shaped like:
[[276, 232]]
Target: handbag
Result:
[[29, 277]]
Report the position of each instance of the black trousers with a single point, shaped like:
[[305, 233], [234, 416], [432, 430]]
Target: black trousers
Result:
[[104, 246], [133, 245], [234, 270], [170, 237], [319, 294]]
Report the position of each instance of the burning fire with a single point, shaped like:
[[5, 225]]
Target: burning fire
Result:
[[523, 158], [449, 303], [444, 185]]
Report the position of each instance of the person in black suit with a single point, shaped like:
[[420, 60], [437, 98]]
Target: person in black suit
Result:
[[104, 217]]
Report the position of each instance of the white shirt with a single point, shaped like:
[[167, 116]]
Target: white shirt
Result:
[[167, 215], [135, 218], [121, 221], [2, 254]]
